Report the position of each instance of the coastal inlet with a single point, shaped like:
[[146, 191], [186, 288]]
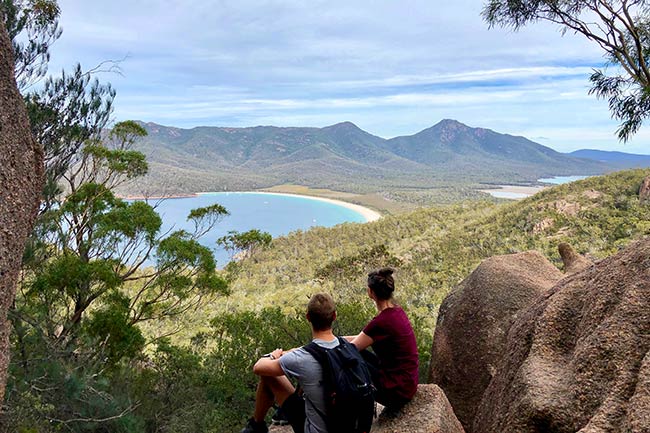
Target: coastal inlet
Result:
[[277, 214]]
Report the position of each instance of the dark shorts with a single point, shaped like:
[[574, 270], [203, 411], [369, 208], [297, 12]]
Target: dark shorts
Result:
[[294, 409], [386, 397]]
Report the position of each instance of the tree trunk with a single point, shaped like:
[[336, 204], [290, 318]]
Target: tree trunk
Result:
[[21, 185]]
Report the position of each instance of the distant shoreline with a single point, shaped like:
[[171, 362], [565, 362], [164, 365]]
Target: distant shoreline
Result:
[[519, 192], [369, 214], [157, 197]]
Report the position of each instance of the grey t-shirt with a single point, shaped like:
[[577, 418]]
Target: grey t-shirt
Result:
[[300, 365]]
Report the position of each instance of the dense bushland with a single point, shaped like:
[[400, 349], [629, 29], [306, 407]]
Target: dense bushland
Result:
[[200, 379]]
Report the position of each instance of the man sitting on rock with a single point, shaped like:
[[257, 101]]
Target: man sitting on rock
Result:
[[304, 412]]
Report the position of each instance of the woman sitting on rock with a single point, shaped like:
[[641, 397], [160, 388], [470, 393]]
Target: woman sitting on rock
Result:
[[394, 364]]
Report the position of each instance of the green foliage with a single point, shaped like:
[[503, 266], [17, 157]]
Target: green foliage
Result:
[[363, 262], [67, 112], [172, 391], [131, 163], [344, 273], [112, 326], [84, 288], [53, 390], [241, 338], [85, 291], [206, 217], [37, 21], [247, 242], [200, 213], [130, 220], [70, 276], [208, 385]]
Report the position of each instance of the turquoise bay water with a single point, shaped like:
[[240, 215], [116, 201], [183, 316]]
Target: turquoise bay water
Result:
[[559, 180], [273, 213]]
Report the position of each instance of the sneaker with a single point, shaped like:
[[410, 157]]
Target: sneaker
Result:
[[392, 412], [279, 417], [255, 427]]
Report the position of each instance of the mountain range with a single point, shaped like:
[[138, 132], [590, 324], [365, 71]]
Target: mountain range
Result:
[[346, 158], [620, 160]]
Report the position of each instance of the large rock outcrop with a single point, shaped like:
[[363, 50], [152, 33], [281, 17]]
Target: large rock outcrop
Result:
[[428, 412], [577, 360], [573, 262], [474, 320], [21, 184]]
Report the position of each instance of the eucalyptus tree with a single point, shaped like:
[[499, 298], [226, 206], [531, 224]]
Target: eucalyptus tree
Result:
[[96, 266], [245, 244], [64, 110], [21, 181], [621, 28], [99, 267]]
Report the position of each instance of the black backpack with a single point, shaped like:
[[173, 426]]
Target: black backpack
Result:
[[349, 399]]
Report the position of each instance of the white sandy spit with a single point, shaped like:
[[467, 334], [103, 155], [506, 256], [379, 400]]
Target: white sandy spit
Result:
[[369, 214], [513, 192]]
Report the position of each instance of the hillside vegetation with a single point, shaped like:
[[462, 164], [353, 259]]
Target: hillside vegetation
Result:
[[434, 248]]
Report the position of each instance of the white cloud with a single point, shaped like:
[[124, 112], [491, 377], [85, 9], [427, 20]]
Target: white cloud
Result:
[[392, 67]]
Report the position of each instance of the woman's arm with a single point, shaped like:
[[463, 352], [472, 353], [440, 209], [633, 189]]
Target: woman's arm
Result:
[[362, 341]]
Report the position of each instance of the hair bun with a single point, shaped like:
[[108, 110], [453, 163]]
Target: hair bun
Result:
[[386, 272]]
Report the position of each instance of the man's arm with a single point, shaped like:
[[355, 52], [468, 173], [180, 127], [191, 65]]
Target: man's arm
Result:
[[269, 366]]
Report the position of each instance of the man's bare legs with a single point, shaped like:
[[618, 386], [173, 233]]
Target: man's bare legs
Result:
[[271, 389]]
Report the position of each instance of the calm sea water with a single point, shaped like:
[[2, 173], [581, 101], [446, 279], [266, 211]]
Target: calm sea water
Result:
[[556, 180], [273, 213], [559, 180]]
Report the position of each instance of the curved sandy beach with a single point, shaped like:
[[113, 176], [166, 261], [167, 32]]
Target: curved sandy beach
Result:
[[369, 214]]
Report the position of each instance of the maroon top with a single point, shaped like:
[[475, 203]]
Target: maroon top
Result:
[[395, 346]]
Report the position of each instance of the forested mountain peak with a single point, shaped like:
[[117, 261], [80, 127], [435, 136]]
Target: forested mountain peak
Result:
[[345, 157], [346, 125], [451, 142]]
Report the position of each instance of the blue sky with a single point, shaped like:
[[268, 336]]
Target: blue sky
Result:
[[391, 67]]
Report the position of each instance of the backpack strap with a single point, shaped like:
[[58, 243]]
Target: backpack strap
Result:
[[317, 352], [343, 341], [319, 355]]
